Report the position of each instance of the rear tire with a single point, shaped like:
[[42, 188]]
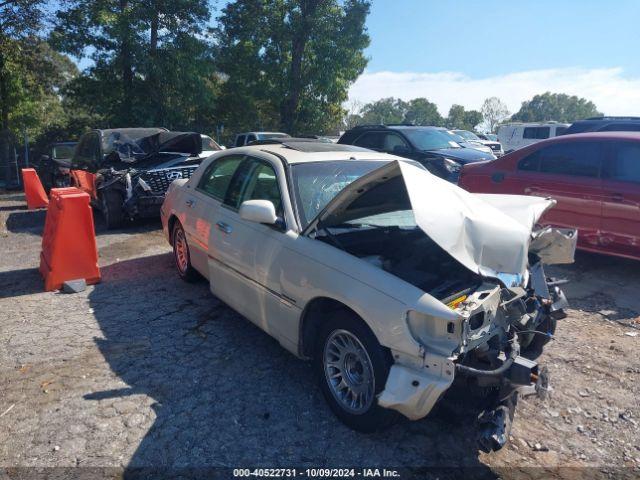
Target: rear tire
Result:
[[111, 204], [352, 369], [181, 254]]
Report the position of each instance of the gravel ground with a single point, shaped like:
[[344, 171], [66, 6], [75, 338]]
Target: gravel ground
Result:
[[145, 370]]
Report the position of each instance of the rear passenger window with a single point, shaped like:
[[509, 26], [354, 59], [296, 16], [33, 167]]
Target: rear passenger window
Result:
[[626, 164], [579, 159], [373, 140], [216, 178]]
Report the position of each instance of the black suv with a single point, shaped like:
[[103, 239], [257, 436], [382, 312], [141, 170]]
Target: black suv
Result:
[[427, 145], [127, 171], [605, 124]]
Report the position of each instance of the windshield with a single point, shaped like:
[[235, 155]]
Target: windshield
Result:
[[316, 183], [453, 136], [430, 139], [466, 134], [209, 144], [63, 151], [127, 143]]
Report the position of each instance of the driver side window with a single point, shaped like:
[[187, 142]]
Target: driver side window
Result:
[[255, 180]]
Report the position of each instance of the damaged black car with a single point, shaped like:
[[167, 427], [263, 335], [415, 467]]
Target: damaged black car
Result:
[[127, 171]]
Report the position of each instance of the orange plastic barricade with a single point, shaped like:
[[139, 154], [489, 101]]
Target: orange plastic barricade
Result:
[[85, 181], [69, 249], [33, 189]]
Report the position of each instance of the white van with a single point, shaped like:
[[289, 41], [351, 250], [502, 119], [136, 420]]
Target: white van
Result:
[[517, 135]]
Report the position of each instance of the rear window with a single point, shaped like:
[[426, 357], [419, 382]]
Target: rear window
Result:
[[579, 159], [538, 133], [626, 163]]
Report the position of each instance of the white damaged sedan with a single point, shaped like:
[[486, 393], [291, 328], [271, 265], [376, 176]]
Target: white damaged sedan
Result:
[[398, 285]]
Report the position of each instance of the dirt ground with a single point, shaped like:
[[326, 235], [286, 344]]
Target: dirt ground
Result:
[[144, 370]]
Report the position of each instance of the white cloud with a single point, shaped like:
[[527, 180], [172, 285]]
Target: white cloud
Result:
[[608, 88]]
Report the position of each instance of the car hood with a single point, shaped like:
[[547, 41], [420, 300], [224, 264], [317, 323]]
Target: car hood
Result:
[[464, 155], [488, 234]]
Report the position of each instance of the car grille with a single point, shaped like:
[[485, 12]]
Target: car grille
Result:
[[159, 180], [495, 147]]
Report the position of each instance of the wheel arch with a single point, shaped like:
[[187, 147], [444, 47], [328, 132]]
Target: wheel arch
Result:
[[312, 317], [173, 218]]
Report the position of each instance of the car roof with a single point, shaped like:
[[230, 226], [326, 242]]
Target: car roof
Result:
[[320, 154], [600, 136], [261, 133]]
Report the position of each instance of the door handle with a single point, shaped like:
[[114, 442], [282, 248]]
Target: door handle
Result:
[[224, 227], [190, 203]]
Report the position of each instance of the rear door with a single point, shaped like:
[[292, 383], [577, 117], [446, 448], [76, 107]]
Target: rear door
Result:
[[621, 199], [569, 172], [201, 205]]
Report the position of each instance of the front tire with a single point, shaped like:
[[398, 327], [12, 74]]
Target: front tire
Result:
[[352, 368], [111, 205], [181, 254]]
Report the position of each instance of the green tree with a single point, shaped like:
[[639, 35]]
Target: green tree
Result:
[[288, 64], [555, 106], [463, 119], [152, 60], [421, 111], [18, 21], [385, 110]]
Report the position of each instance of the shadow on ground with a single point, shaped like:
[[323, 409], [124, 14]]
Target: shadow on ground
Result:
[[227, 395], [15, 283], [603, 284]]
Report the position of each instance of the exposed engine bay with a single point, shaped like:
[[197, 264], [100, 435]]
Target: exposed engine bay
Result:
[[491, 274]]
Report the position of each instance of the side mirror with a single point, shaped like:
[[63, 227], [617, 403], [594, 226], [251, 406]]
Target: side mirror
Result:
[[259, 211], [45, 158]]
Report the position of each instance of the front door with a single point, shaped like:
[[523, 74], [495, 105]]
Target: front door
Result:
[[568, 172], [242, 253], [621, 200]]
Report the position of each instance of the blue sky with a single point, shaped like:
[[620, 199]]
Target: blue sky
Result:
[[493, 37], [463, 51]]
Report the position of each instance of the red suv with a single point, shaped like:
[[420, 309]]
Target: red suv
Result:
[[595, 177]]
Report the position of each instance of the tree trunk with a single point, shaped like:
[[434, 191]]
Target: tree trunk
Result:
[[127, 68], [4, 93], [152, 67], [289, 108]]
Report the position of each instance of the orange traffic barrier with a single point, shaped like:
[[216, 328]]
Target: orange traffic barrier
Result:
[[85, 181], [33, 189], [69, 249]]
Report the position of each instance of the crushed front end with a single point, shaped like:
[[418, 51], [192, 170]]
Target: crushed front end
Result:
[[502, 327]]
